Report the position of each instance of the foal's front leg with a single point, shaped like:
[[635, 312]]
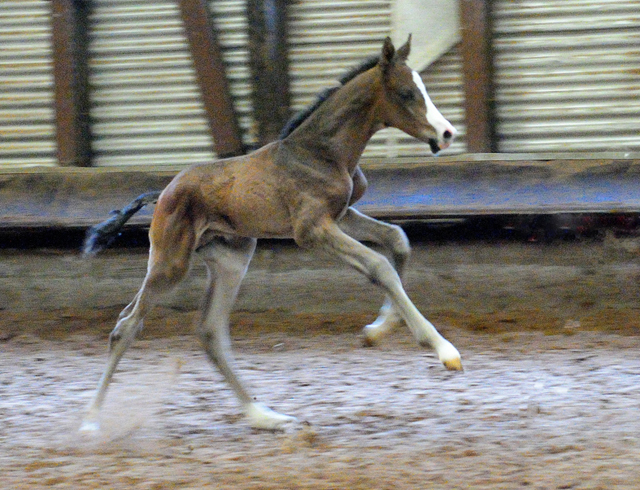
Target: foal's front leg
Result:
[[227, 261], [392, 238], [328, 236]]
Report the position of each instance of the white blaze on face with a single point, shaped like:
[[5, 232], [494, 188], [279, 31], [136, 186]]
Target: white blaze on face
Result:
[[435, 119]]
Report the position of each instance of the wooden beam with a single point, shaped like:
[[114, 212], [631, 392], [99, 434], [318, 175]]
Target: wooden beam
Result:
[[405, 188], [71, 87], [269, 66], [477, 62], [211, 73]]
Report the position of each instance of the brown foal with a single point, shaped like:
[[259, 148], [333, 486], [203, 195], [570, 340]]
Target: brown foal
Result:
[[302, 187]]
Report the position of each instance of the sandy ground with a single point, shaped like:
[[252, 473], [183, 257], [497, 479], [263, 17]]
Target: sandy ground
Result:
[[530, 411], [550, 396]]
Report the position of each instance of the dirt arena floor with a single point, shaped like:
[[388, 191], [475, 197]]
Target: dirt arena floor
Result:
[[550, 396]]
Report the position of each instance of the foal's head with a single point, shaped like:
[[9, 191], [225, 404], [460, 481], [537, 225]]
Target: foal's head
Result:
[[405, 103]]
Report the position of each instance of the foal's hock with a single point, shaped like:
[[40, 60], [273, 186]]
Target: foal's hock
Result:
[[302, 187]]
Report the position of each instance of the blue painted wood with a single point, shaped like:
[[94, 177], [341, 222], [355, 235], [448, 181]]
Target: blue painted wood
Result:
[[82, 197]]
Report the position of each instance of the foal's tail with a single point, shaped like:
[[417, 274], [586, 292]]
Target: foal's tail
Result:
[[103, 234]]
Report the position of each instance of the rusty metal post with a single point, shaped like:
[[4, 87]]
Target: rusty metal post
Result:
[[477, 61], [269, 66], [71, 86], [212, 78]]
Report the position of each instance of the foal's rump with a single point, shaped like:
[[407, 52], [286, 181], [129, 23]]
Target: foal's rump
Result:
[[234, 196]]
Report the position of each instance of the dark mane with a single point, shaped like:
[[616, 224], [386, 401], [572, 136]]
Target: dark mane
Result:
[[304, 114]]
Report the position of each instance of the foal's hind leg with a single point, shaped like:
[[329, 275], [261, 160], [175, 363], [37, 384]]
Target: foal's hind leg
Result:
[[391, 237], [129, 324], [165, 270], [227, 260]]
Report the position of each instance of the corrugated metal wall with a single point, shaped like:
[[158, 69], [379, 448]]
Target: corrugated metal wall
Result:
[[328, 37], [567, 74], [147, 107], [145, 101], [27, 128]]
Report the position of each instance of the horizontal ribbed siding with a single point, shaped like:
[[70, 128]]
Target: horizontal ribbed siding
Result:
[[567, 75], [145, 101], [328, 38], [27, 120], [146, 106]]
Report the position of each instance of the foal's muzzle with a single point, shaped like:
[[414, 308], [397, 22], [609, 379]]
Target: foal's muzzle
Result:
[[444, 142]]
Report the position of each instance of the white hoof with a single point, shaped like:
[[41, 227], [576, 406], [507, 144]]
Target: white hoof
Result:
[[449, 356], [262, 417], [384, 324], [89, 426]]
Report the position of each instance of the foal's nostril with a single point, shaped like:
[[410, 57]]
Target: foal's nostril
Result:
[[447, 134]]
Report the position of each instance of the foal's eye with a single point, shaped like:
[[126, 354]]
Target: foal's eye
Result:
[[406, 95]]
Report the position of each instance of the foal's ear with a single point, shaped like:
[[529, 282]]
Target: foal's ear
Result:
[[403, 52], [388, 52]]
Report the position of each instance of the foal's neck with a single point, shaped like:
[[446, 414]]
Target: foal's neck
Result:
[[338, 131]]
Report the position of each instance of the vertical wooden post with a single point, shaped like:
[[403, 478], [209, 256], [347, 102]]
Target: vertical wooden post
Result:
[[477, 60], [71, 87], [212, 78], [269, 66]]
